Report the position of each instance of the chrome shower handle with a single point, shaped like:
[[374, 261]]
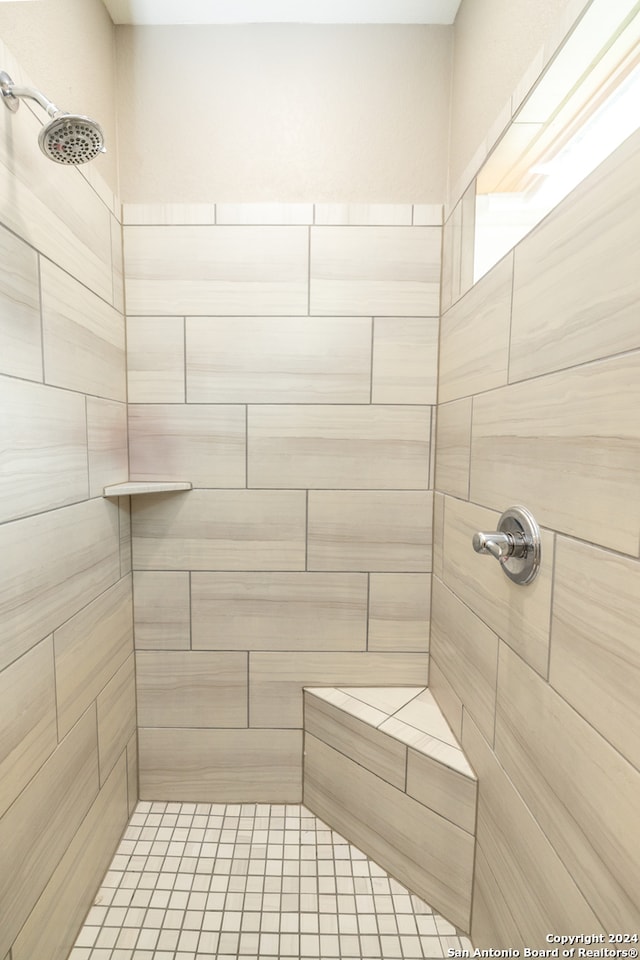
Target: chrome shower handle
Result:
[[515, 544]]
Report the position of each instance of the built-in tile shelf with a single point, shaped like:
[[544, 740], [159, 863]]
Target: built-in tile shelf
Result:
[[134, 487]]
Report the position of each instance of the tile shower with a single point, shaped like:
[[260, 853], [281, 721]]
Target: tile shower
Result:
[[295, 385]]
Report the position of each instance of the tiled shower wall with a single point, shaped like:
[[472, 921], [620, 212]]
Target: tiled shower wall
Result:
[[283, 359], [539, 404], [67, 710]]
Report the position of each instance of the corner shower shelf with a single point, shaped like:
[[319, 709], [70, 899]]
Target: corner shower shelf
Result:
[[135, 487]]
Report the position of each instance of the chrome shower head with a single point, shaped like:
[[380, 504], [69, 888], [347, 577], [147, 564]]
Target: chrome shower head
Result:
[[69, 138]]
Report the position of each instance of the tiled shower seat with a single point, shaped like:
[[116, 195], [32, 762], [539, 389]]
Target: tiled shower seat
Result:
[[383, 768]]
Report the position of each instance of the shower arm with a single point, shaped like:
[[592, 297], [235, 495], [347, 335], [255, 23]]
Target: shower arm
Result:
[[12, 95]]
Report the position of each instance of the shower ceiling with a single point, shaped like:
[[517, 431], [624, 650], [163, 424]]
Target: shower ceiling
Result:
[[282, 11]]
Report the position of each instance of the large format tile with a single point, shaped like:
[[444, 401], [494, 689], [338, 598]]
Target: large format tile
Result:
[[520, 616], [89, 648], [574, 302], [84, 342], [132, 772], [27, 719], [161, 612], [444, 790], [447, 699], [44, 448], [339, 447], [189, 688], [253, 766], [567, 445], [220, 529], [595, 656], [399, 605], [278, 359], [278, 611], [474, 337], [52, 565], [453, 445], [381, 271], [20, 332], [567, 775], [224, 270], [466, 651], [51, 928], [116, 716], [405, 360], [155, 359], [276, 679], [356, 739], [432, 856], [535, 886], [44, 820], [107, 442], [203, 443], [378, 530]]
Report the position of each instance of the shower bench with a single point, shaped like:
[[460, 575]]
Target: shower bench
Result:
[[383, 768]]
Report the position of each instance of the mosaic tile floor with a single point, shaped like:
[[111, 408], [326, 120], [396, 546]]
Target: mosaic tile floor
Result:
[[226, 881]]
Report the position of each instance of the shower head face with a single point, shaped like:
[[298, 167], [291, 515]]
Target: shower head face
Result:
[[71, 139]]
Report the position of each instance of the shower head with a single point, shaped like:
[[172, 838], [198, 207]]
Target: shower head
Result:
[[69, 138]]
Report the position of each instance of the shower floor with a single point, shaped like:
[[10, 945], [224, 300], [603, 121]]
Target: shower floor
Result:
[[201, 881]]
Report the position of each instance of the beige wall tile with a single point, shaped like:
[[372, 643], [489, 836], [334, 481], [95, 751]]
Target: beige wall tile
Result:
[[382, 271], [567, 445], [20, 332], [107, 439], [399, 605], [188, 688], [161, 610], [84, 344], [272, 359], [155, 359], [276, 679], [363, 214], [44, 448], [27, 719], [278, 611], [536, 887], [44, 820], [432, 856], [124, 526], [452, 257], [55, 563], [520, 616], [339, 446], [405, 359], [221, 270], [442, 789], [224, 529], [595, 659], [132, 773], [466, 651], [116, 716], [264, 213], [574, 302], [201, 443], [117, 261], [453, 444], [168, 213], [467, 238], [492, 922], [438, 533], [568, 775], [446, 698], [427, 214], [385, 756], [53, 924], [253, 766], [89, 649], [382, 530], [474, 337], [67, 221]]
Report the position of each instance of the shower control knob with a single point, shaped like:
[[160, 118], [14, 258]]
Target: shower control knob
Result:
[[515, 544]]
